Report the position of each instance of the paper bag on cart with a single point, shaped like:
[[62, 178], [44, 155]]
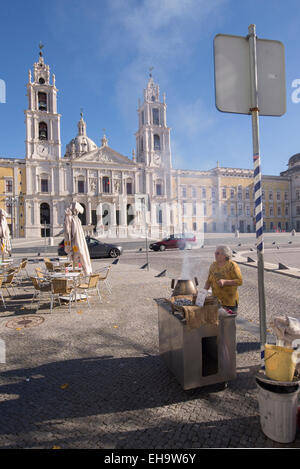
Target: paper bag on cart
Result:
[[197, 316]]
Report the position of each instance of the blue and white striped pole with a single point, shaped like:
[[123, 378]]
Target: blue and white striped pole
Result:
[[257, 191]]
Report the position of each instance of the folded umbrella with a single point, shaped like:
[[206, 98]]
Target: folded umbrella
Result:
[[4, 234]]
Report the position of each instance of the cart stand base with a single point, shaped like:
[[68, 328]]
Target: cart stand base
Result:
[[197, 357]]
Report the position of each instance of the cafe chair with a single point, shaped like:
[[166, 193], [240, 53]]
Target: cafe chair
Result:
[[43, 277], [23, 265], [1, 280], [103, 277], [50, 266], [39, 288], [19, 271], [61, 290], [8, 282], [89, 283]]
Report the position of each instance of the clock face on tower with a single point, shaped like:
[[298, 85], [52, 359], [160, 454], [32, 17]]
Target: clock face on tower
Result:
[[43, 149]]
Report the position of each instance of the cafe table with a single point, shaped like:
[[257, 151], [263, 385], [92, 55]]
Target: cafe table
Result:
[[72, 276]]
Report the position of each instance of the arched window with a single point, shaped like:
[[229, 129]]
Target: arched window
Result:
[[43, 131], [130, 214], [45, 219], [156, 142], [42, 100], [155, 116], [159, 215]]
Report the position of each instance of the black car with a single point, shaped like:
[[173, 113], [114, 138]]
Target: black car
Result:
[[96, 248]]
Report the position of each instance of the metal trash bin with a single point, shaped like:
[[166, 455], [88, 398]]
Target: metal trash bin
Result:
[[278, 405], [197, 357]]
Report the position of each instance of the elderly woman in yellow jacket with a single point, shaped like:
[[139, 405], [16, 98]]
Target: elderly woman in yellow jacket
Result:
[[224, 278]]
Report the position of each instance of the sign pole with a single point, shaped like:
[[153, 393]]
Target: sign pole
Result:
[[257, 189]]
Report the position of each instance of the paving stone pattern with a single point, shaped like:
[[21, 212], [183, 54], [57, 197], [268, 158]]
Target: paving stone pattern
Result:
[[93, 378]]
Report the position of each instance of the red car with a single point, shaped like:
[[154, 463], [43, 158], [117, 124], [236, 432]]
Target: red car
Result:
[[181, 241]]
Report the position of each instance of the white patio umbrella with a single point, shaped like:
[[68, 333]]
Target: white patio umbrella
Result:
[[4, 234], [80, 252]]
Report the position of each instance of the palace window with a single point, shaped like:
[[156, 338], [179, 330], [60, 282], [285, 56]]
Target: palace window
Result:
[[278, 195], [158, 188], [247, 193], [271, 211], [43, 131], [159, 216], [105, 184], [194, 192], [129, 187], [44, 185], [224, 193], [194, 208], [279, 211], [232, 193], [298, 210], [270, 195], [183, 191], [286, 196], [80, 185], [8, 186], [203, 193]]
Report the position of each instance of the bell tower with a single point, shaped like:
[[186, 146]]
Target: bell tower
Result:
[[153, 136], [41, 117]]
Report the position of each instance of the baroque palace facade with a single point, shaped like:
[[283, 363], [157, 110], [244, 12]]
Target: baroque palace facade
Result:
[[125, 196]]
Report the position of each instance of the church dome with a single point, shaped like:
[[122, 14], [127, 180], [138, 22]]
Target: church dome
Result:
[[81, 143], [294, 160]]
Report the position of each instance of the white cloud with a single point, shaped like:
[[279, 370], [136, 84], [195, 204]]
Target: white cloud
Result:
[[191, 119]]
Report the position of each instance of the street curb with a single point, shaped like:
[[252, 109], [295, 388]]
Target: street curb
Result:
[[289, 272]]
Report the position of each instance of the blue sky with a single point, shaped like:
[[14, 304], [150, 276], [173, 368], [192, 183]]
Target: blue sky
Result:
[[101, 51]]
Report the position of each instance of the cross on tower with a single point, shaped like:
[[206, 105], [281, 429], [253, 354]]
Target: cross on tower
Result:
[[41, 46]]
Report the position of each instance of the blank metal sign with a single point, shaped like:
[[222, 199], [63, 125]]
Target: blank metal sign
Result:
[[232, 75]]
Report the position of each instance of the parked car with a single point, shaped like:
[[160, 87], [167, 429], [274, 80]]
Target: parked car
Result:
[[181, 241], [96, 248]]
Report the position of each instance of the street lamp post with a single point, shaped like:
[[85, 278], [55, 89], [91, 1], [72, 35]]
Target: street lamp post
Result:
[[12, 201]]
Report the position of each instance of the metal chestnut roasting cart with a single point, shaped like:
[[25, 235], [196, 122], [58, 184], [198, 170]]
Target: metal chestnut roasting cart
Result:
[[198, 344]]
